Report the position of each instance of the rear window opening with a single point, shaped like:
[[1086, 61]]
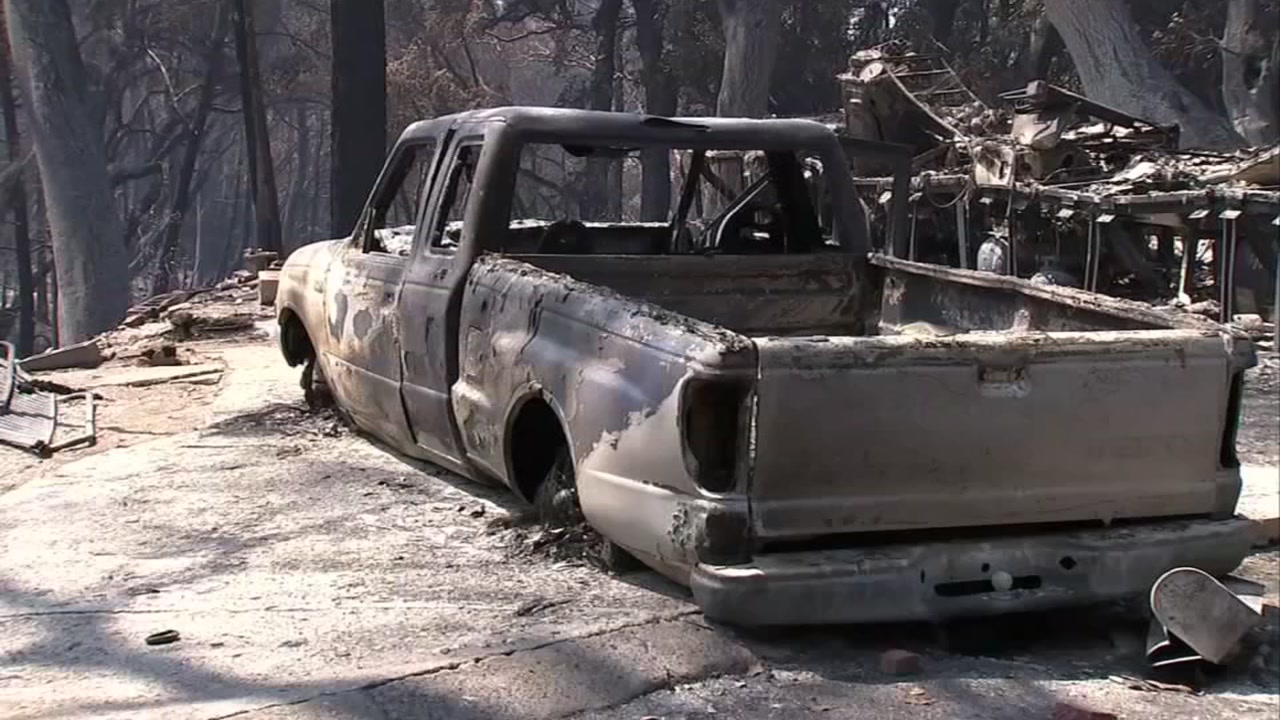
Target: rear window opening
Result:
[[602, 200]]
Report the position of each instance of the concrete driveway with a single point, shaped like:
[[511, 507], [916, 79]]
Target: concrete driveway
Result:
[[311, 574]]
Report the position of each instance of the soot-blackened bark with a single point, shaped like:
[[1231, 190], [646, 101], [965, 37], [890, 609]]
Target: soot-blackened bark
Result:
[[1251, 70], [359, 130], [599, 200], [661, 97], [66, 124], [1117, 69], [17, 200], [266, 201], [751, 30]]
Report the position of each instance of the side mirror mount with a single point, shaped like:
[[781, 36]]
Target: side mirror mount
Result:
[[360, 234]]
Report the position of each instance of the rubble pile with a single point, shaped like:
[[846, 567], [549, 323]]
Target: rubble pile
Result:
[[1048, 183], [43, 411]]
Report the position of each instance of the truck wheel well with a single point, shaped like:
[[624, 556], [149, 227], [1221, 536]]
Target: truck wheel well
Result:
[[295, 343], [536, 439]]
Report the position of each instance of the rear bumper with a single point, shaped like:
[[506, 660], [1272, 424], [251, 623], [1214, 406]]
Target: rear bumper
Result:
[[954, 579]]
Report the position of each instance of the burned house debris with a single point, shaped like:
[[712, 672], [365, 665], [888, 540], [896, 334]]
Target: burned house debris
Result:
[[1051, 186]]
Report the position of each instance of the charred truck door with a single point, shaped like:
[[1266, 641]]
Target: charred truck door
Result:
[[429, 300], [364, 281]]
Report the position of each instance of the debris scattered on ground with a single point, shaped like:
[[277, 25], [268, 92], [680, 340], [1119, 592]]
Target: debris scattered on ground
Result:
[[255, 261], [268, 284], [1148, 685], [917, 696], [38, 413], [131, 376], [188, 324], [1056, 180], [163, 637], [288, 421], [1264, 645], [239, 278], [35, 419], [899, 662], [151, 309], [528, 535], [159, 355], [539, 604], [87, 354]]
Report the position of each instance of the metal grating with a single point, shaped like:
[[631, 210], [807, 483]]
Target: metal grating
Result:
[[31, 420]]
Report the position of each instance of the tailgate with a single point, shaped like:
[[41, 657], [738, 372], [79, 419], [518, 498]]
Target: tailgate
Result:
[[894, 433]]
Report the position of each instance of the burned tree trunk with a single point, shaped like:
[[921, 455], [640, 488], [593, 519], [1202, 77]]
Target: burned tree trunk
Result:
[[1045, 43], [1251, 70], [301, 175], [597, 202], [942, 18], [751, 30], [359, 129], [92, 265], [266, 203], [17, 199], [660, 98], [1117, 69]]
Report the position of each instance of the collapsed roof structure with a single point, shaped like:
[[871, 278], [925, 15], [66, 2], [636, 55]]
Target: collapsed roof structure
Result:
[[1055, 187]]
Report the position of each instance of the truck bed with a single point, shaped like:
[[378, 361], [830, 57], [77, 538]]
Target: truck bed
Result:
[[927, 398]]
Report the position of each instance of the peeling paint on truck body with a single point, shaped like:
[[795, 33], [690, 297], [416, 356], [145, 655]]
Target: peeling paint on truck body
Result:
[[787, 433]]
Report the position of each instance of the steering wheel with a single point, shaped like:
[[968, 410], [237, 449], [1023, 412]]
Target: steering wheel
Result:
[[564, 237]]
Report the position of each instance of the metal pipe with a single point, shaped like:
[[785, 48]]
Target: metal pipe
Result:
[[1275, 305], [1186, 278], [1226, 251], [915, 216], [1089, 282]]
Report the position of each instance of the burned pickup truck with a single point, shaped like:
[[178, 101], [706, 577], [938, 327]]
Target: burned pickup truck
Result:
[[674, 326]]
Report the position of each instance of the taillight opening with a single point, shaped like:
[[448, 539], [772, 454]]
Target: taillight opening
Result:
[[713, 419]]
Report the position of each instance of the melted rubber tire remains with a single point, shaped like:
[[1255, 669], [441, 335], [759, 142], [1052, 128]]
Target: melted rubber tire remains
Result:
[[556, 502]]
